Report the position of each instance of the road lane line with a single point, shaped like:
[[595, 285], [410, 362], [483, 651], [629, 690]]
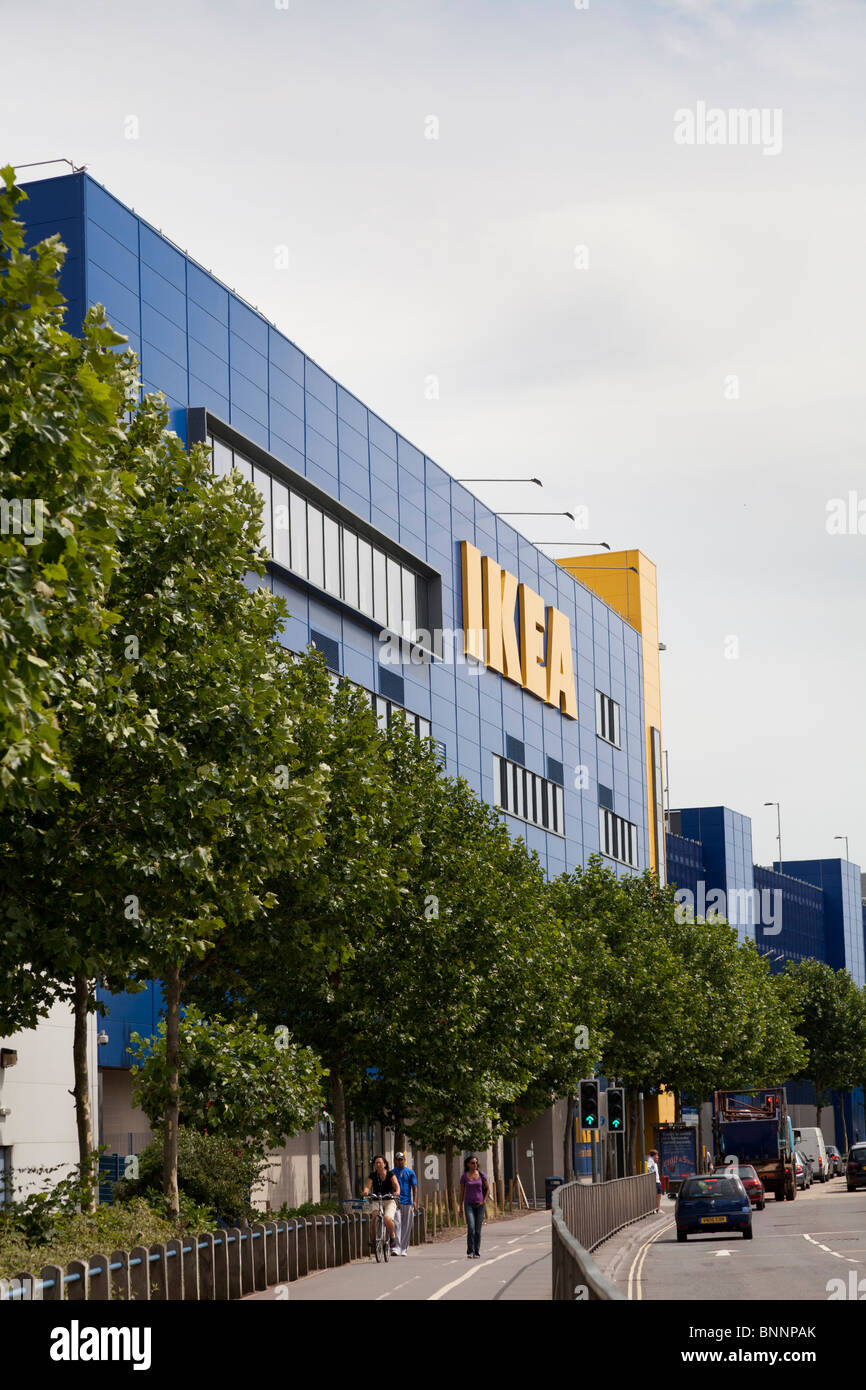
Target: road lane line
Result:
[[388, 1292], [446, 1288], [826, 1248], [634, 1273]]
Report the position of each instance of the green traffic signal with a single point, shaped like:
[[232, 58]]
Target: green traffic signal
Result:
[[616, 1109], [589, 1105]]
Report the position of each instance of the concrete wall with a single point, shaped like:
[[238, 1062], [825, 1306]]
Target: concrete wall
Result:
[[125, 1128], [293, 1175], [40, 1130]]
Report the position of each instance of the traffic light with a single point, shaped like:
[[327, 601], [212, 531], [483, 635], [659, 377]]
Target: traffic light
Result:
[[589, 1105], [616, 1109]]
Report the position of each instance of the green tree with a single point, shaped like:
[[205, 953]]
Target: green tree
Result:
[[240, 1080], [296, 965], [186, 789], [61, 402], [830, 1026]]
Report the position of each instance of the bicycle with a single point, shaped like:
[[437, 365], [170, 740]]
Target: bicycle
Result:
[[380, 1239]]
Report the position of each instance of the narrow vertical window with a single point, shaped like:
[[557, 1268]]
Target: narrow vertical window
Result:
[[332, 557], [298, 522], [395, 596], [380, 589], [350, 568], [315, 546], [262, 483], [282, 549], [365, 577]]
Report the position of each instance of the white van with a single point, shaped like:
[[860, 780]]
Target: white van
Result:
[[810, 1142]]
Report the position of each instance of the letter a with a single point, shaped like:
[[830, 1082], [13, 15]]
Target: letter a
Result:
[[560, 670]]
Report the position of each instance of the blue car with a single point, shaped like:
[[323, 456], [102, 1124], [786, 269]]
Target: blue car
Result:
[[713, 1203]]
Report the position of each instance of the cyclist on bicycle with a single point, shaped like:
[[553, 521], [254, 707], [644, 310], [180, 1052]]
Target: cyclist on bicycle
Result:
[[382, 1182]]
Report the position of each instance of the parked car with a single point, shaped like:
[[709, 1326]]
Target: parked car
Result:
[[855, 1167], [751, 1182], [810, 1142], [835, 1160], [717, 1202], [802, 1171]]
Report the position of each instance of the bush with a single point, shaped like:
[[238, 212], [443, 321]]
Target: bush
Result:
[[75, 1236], [214, 1176], [287, 1213]]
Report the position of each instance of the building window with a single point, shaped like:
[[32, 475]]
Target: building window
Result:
[[529, 797], [515, 749], [328, 646], [555, 771], [328, 553], [386, 711], [617, 837], [5, 1176], [607, 719]]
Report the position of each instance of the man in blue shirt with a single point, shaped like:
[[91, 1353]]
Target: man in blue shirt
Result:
[[408, 1201]]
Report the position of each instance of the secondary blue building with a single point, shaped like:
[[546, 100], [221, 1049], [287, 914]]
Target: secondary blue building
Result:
[[804, 908], [378, 550]]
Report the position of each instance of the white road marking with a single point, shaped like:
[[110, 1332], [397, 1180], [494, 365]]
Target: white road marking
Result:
[[634, 1274], [389, 1292], [720, 1253], [446, 1288], [827, 1249]]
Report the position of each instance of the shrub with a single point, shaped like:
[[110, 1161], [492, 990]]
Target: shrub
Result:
[[215, 1178], [76, 1236]]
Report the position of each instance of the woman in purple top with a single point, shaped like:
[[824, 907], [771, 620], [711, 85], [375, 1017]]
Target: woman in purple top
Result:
[[475, 1188]]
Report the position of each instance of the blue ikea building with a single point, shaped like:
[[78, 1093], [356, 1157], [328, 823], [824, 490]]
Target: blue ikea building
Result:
[[375, 548]]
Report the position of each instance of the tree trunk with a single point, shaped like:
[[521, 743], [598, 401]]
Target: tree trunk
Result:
[[341, 1147], [568, 1139], [87, 1158], [399, 1137], [844, 1122], [635, 1145], [450, 1198], [819, 1102], [171, 1119], [497, 1169]]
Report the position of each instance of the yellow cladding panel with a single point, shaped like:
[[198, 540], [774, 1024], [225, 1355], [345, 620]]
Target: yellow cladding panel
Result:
[[626, 581], [473, 617]]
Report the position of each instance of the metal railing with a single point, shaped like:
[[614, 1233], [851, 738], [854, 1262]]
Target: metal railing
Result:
[[219, 1265], [584, 1215]]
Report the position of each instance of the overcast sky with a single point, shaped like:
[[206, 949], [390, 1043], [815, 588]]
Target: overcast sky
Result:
[[694, 375]]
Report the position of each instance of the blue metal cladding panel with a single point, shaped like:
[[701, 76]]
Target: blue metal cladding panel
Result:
[[126, 1014], [201, 345], [55, 207], [801, 917], [726, 840], [843, 910], [684, 862]]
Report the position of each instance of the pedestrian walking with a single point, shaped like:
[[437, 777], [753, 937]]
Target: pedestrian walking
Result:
[[475, 1189], [408, 1202], [652, 1166]]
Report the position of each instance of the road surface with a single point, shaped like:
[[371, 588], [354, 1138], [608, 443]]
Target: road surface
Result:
[[514, 1264]]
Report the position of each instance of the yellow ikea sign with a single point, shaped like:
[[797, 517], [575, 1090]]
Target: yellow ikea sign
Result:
[[490, 597]]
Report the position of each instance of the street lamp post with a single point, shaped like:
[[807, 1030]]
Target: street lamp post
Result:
[[845, 838], [778, 828]]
